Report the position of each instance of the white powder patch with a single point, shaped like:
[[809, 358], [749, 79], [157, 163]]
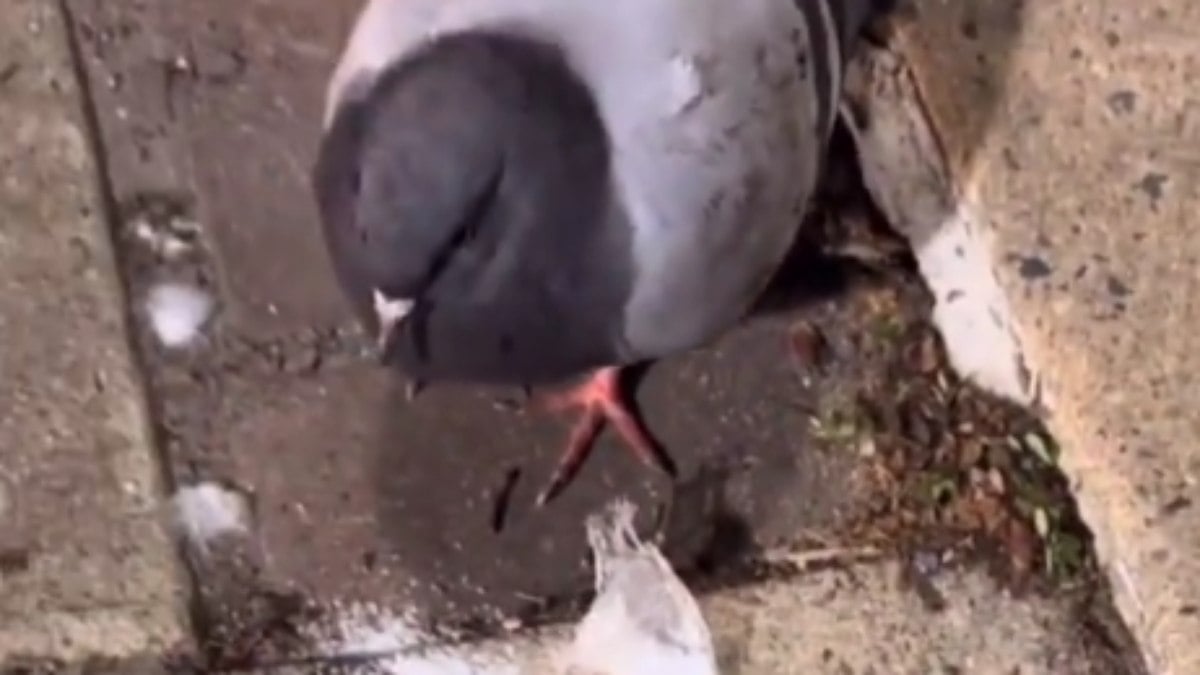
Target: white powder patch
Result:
[[907, 175], [205, 512], [395, 644], [177, 313], [971, 310], [643, 621]]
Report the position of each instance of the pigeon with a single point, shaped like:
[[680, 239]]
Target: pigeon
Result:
[[643, 619], [544, 193]]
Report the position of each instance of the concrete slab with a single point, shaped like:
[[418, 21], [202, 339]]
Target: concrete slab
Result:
[[208, 109], [358, 494], [853, 619], [226, 85], [372, 494], [87, 568], [1071, 131]]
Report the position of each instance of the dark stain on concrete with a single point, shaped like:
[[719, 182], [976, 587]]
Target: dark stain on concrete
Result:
[[1152, 185], [1116, 287], [1032, 267], [1122, 102]]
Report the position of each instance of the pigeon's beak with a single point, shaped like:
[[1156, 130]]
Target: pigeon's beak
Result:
[[390, 313]]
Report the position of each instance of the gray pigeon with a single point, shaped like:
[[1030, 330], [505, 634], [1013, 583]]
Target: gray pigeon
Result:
[[522, 192]]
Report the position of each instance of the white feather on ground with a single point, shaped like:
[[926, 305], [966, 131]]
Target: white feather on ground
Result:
[[177, 312], [643, 620], [205, 512]]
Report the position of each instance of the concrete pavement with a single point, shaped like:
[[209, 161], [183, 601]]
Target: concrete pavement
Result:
[[86, 568], [206, 113], [1067, 155]]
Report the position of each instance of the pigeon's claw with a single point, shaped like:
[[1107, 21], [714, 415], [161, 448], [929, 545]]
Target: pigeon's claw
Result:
[[603, 402]]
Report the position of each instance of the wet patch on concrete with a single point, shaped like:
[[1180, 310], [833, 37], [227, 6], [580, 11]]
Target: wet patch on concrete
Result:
[[208, 114]]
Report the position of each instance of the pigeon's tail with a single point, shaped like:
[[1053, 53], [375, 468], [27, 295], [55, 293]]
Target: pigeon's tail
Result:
[[612, 537]]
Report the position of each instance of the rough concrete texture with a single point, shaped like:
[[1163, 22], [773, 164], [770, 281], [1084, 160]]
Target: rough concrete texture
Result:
[[85, 568], [180, 89], [359, 494], [851, 620], [1072, 131]]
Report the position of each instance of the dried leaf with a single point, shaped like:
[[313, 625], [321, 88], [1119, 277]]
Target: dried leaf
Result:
[[996, 481], [1035, 443], [1022, 547], [971, 454], [808, 345], [927, 355]]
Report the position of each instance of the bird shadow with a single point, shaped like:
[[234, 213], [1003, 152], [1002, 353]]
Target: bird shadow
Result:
[[699, 531]]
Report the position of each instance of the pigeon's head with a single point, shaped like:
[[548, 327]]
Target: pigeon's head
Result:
[[404, 169], [465, 201]]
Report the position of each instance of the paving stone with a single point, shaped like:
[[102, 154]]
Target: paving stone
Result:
[[218, 107], [857, 619], [361, 495], [405, 492], [86, 568]]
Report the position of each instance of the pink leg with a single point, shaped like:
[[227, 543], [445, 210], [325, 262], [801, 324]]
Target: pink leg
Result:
[[602, 402]]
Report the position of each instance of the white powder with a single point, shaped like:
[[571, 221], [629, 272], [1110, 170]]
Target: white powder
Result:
[[177, 313]]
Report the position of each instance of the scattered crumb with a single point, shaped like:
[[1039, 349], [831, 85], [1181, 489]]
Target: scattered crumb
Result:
[[170, 240], [177, 313], [205, 512]]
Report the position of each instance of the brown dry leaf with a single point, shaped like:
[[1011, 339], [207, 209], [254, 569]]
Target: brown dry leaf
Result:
[[1022, 545], [989, 511], [996, 481], [971, 453], [807, 345], [882, 301], [964, 513], [927, 356]]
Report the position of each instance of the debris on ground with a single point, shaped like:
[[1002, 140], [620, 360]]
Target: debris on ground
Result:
[[205, 512], [643, 619], [948, 474]]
